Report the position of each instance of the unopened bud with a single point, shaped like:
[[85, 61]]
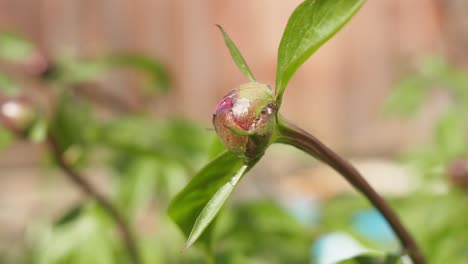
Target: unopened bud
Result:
[[39, 65], [17, 114], [245, 119]]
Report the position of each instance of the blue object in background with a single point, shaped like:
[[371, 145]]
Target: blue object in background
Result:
[[304, 209], [334, 247], [372, 226]]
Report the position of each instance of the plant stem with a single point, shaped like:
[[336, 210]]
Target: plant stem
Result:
[[299, 138], [78, 179]]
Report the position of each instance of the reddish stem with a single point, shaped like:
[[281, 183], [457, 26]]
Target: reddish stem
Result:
[[127, 235], [299, 138]]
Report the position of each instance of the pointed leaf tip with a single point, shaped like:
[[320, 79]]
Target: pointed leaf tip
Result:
[[197, 205], [213, 206], [236, 55]]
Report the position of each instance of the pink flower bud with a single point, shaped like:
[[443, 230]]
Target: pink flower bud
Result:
[[17, 114], [245, 119], [36, 64]]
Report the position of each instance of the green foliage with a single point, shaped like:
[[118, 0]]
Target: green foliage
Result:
[[407, 97], [198, 203], [138, 181], [84, 236], [450, 132], [38, 131], [213, 206], [443, 236], [71, 70], [310, 25], [150, 161], [432, 73], [158, 76], [149, 157], [175, 139], [6, 138], [145, 173], [367, 259], [261, 231], [450, 135], [237, 56], [8, 86], [14, 48], [216, 148], [73, 127]]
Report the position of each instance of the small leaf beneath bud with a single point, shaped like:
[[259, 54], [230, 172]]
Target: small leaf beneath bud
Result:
[[213, 206], [195, 207]]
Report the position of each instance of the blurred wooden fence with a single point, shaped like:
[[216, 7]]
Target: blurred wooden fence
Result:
[[337, 94]]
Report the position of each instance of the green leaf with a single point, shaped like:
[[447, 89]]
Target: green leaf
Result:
[[433, 67], [86, 236], [6, 138], [159, 77], [73, 70], [14, 48], [407, 97], [74, 127], [311, 24], [237, 56], [38, 131], [195, 207], [373, 259], [176, 139], [8, 86], [450, 135], [138, 182], [216, 148], [265, 231], [213, 206], [71, 215], [442, 237]]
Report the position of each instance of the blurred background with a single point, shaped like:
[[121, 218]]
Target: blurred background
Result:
[[129, 88]]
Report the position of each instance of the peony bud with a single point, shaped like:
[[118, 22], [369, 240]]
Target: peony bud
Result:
[[17, 114], [245, 119], [36, 64]]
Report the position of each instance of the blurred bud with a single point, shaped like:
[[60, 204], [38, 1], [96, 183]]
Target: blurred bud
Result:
[[457, 171], [245, 119], [36, 64], [17, 114]]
